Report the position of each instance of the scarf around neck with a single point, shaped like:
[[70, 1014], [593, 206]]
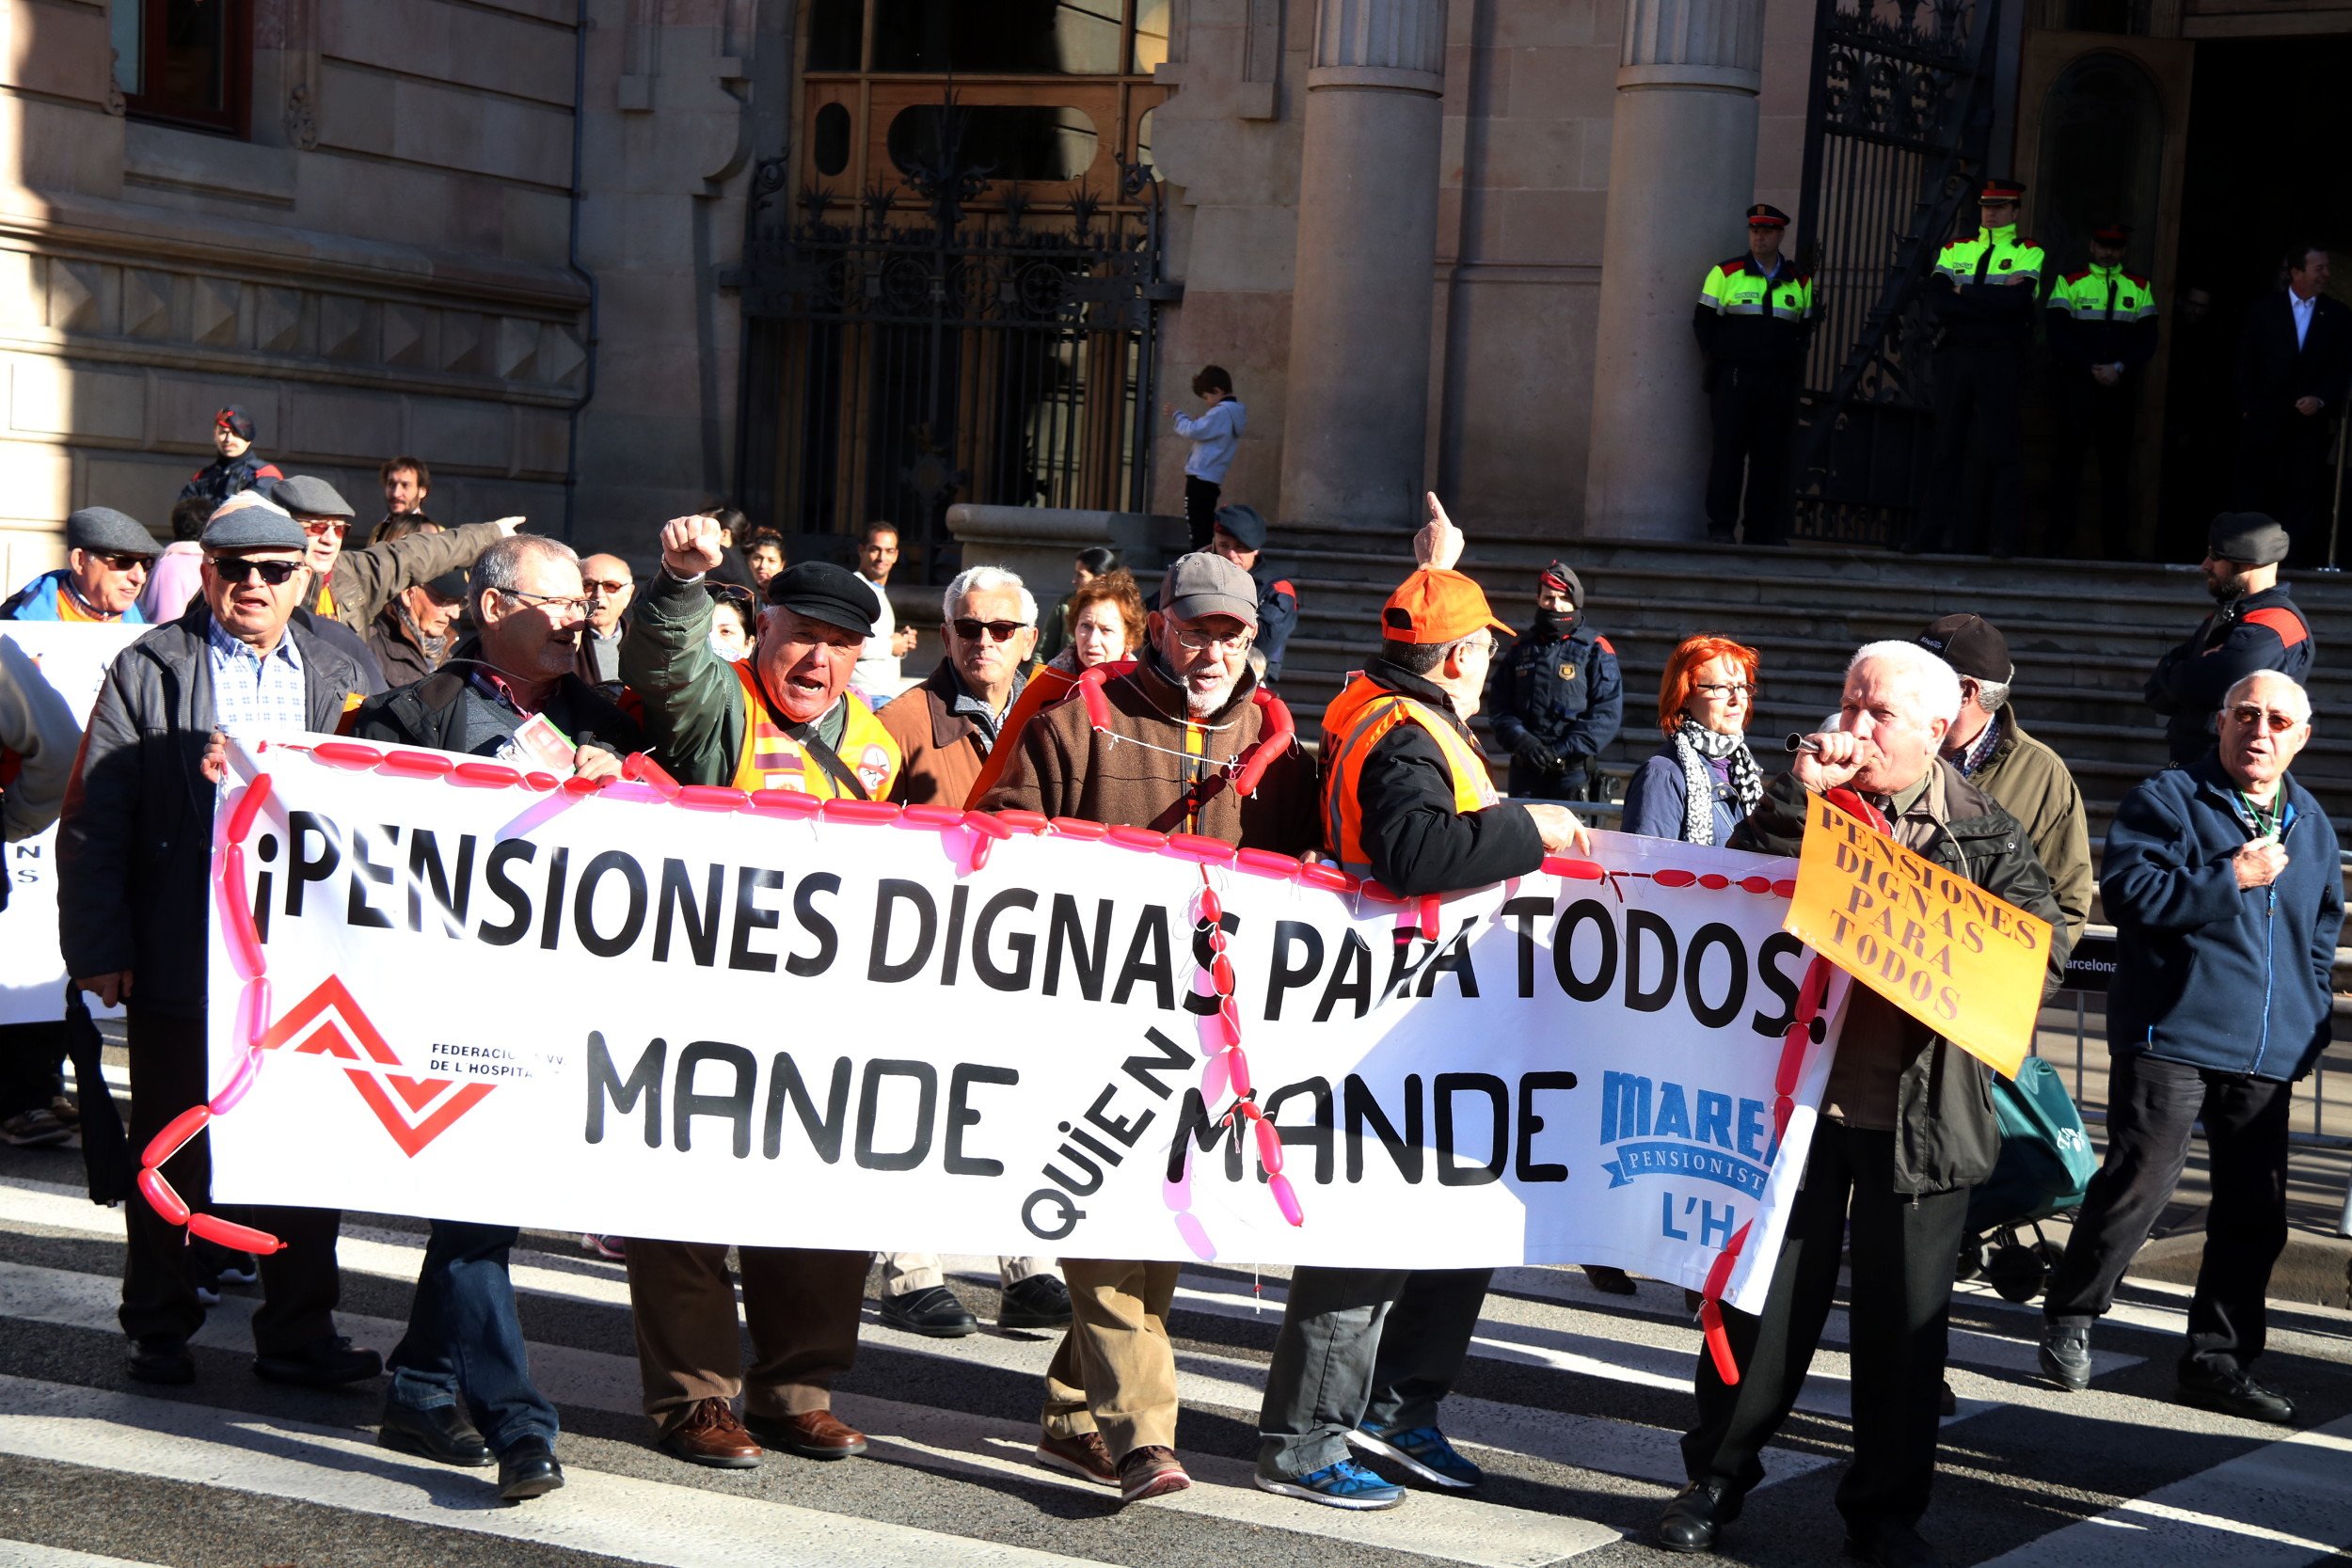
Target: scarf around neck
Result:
[[1695, 746]]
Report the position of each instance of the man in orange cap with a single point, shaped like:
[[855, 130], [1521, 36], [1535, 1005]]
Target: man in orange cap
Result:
[[1365, 1354]]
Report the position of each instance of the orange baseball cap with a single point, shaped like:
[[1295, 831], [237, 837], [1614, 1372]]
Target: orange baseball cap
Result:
[[1437, 607]]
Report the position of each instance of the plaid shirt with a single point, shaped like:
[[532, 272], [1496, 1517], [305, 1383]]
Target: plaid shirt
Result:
[[256, 696]]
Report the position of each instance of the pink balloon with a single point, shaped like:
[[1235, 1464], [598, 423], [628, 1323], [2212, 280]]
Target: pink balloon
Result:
[[1237, 1074], [1286, 1199], [1213, 1080], [236, 920], [1196, 1236], [253, 1012], [239, 1082], [1270, 1147]]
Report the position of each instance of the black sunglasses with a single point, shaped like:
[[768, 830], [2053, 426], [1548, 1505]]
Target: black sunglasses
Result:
[[236, 569], [999, 631], [123, 561]]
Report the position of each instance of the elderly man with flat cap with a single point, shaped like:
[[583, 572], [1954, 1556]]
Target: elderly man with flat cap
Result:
[[106, 556], [2024, 777], [784, 717], [353, 586], [133, 857], [2257, 627]]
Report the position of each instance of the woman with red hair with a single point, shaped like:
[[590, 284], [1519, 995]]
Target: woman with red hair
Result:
[[1704, 780]]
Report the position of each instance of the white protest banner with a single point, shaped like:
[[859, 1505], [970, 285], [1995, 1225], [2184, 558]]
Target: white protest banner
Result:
[[74, 657], [733, 1021]]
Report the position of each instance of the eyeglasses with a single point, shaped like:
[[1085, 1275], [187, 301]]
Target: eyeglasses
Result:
[[2268, 717], [1202, 643], [237, 570], [318, 528], [595, 585], [122, 562], [568, 604], [1726, 690], [997, 632]]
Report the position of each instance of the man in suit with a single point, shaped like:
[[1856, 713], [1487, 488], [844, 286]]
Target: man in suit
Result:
[[2294, 365]]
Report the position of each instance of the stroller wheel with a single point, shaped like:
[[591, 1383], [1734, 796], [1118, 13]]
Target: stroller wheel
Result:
[[2049, 1252], [1971, 1264], [2017, 1273]]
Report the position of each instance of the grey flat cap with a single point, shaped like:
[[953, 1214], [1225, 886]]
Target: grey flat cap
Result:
[[309, 496], [1203, 584], [103, 529], [246, 522]]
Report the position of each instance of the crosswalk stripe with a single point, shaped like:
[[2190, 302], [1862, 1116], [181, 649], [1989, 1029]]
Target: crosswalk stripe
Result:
[[27, 1554], [1455, 1529], [2276, 1507], [621, 1516]]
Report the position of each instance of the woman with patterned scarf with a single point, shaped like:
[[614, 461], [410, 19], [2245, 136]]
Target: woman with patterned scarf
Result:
[[1703, 779]]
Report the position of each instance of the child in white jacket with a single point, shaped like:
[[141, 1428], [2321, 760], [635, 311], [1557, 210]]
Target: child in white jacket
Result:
[[1213, 435]]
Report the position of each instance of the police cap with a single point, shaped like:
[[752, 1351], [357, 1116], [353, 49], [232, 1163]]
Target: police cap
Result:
[[1765, 215], [2247, 538], [2001, 190]]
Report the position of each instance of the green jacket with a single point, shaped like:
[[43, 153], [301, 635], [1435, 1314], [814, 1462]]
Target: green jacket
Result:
[[693, 704], [2029, 782], [1946, 1134], [365, 581]]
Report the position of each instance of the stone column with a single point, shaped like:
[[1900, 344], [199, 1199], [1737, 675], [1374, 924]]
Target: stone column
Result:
[[1358, 396], [1681, 171]]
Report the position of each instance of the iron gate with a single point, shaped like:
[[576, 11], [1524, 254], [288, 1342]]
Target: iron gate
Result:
[[914, 353], [1896, 133]]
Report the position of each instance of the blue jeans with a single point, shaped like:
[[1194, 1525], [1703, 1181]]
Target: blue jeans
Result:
[[1362, 1347], [464, 1338]]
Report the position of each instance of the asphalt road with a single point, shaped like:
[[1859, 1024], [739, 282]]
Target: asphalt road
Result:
[[1573, 1402]]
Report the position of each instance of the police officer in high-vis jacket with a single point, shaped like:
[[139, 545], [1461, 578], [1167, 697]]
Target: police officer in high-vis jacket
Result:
[[1754, 316], [1988, 291], [2102, 333], [1556, 698]]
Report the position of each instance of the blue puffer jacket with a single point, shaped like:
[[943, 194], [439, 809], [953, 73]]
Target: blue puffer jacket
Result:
[[2209, 973]]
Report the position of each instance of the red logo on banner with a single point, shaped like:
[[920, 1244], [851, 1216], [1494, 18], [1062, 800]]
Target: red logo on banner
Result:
[[415, 1111]]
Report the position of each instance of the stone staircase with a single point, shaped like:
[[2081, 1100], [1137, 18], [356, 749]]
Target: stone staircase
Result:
[[2084, 634]]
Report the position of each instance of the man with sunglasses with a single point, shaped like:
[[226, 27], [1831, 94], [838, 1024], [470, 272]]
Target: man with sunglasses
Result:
[[1178, 718], [353, 586], [135, 858], [783, 718], [610, 586], [2256, 628], [107, 555], [2223, 882]]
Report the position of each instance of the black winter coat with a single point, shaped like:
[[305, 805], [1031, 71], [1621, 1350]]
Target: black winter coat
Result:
[[1946, 1135], [2256, 631], [1564, 689], [447, 712]]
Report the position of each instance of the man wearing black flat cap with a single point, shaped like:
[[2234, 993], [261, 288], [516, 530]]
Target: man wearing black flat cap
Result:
[[783, 718], [1987, 291], [107, 555], [1238, 534], [353, 586], [1754, 318], [2256, 628], [2102, 333], [238, 467]]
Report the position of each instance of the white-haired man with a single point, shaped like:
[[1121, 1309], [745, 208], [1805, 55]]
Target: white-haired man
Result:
[[2223, 881], [945, 727], [1906, 1130]]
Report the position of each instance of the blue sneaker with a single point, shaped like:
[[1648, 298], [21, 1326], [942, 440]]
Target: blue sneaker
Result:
[[1346, 1484], [1422, 1450]]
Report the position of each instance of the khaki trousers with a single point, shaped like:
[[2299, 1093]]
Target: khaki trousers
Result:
[[905, 1272], [801, 1305], [1115, 1371]]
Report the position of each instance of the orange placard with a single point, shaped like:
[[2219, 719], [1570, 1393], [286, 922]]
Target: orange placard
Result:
[[1965, 963]]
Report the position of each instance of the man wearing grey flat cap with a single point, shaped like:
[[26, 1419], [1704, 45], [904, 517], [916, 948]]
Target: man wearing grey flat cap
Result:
[[106, 556], [353, 586], [133, 851], [2256, 628]]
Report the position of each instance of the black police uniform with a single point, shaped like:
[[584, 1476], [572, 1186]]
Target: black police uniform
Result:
[[1988, 292], [1752, 327], [1556, 694], [2098, 316]]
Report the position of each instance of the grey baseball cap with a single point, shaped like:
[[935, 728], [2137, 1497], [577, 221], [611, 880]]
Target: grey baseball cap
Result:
[[103, 530], [1203, 584], [245, 521], [309, 496]]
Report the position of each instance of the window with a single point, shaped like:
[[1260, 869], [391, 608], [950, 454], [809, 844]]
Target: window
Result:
[[185, 61], [1011, 141]]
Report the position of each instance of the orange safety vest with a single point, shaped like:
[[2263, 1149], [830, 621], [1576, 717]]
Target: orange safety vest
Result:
[[771, 759], [1359, 718]]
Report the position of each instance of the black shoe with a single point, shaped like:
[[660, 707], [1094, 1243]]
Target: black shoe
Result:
[[1890, 1546], [529, 1470], [2066, 1356], [442, 1432], [1696, 1514], [328, 1364], [1039, 1301], [161, 1358], [2228, 1389], [1608, 1281], [934, 1313]]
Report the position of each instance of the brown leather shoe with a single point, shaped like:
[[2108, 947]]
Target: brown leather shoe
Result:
[[1151, 1472], [1086, 1456], [812, 1434], [711, 1436]]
